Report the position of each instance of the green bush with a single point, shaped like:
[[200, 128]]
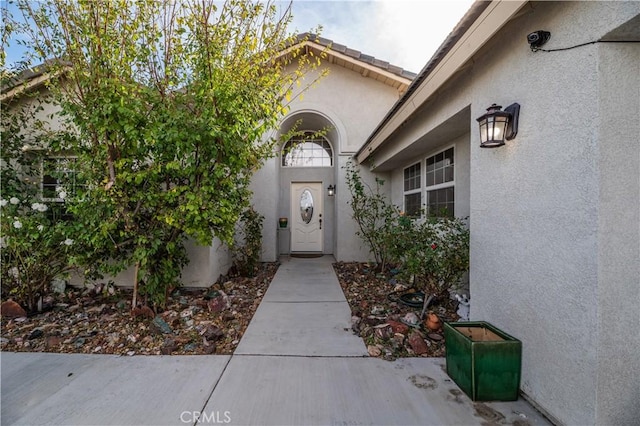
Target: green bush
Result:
[[433, 252], [248, 244], [372, 212], [35, 245], [430, 252]]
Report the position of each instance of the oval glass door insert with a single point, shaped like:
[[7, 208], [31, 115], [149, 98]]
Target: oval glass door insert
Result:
[[306, 206]]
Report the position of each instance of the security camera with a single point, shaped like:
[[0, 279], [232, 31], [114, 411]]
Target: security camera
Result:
[[538, 38]]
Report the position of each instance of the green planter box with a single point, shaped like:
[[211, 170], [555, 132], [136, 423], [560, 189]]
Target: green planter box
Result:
[[483, 360]]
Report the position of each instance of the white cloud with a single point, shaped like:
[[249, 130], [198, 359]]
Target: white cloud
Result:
[[404, 32]]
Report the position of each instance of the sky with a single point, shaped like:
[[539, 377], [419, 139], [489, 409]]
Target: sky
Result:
[[405, 33]]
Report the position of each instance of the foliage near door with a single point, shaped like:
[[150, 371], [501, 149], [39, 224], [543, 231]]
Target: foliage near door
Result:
[[166, 104]]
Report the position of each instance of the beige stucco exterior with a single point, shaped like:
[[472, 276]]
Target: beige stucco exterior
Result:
[[348, 105], [554, 214]]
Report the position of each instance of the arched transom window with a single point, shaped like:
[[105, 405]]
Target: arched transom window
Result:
[[307, 150]]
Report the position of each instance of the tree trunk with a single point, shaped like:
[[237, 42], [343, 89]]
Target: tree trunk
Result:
[[134, 301], [425, 305]]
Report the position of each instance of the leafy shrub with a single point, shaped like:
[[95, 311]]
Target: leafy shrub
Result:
[[36, 247], [248, 245], [372, 212], [434, 252]]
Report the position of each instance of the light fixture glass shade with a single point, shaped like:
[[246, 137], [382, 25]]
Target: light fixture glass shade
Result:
[[497, 125], [493, 125]]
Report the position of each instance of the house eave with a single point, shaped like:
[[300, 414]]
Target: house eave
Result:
[[483, 20], [354, 60]]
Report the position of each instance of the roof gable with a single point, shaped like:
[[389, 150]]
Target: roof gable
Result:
[[366, 65]]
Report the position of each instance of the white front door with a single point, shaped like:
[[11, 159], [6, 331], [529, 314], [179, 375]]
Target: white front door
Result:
[[306, 217]]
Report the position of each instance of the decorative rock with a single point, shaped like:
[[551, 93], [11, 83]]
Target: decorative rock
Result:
[[433, 322], [417, 344], [383, 331], [79, 342], [398, 327], [399, 337], [355, 323], [168, 346], [218, 303], [58, 286], [36, 334], [435, 337], [190, 347], [158, 325], [411, 319], [212, 295], [377, 310], [11, 309], [374, 351], [142, 311], [209, 348], [212, 333]]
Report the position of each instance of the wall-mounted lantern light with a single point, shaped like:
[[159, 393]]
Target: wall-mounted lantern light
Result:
[[497, 125], [331, 191]]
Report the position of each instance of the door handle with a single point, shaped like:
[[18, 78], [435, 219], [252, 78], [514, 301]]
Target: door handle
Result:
[[320, 223]]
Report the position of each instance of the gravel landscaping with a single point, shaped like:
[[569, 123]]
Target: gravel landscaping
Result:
[[380, 315], [100, 320]]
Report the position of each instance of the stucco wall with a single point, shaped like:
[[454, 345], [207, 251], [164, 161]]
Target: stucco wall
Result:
[[265, 201], [618, 389], [358, 102], [535, 206], [350, 247], [349, 106], [554, 213], [43, 114]]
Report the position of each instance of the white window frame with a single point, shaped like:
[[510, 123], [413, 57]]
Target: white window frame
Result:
[[303, 139], [69, 190], [435, 187], [417, 190]]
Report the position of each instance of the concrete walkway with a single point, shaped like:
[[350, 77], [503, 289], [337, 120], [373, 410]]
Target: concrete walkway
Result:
[[297, 364]]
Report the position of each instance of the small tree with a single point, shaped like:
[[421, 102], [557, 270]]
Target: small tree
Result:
[[170, 101], [373, 213]]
